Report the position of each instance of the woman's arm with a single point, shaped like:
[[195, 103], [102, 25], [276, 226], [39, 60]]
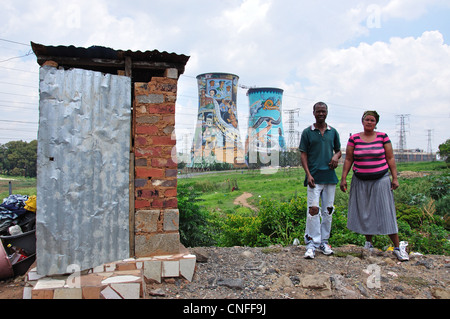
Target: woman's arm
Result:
[[347, 166], [391, 163]]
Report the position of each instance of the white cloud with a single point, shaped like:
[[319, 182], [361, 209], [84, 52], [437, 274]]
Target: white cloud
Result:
[[299, 46], [404, 76], [408, 9]]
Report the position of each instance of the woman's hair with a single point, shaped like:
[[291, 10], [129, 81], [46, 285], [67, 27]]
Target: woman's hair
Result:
[[373, 113]]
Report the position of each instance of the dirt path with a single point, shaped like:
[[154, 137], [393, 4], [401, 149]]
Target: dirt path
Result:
[[242, 200]]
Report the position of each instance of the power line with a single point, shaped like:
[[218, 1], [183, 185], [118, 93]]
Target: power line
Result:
[[18, 94], [13, 69], [15, 42], [18, 57], [23, 122], [28, 86]]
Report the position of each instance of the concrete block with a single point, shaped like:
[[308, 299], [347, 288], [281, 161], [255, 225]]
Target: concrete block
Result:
[[120, 279], [151, 98], [110, 267], [187, 266], [170, 268], [27, 292], [127, 290], [109, 293], [152, 270], [157, 244], [146, 220], [33, 275], [49, 283], [99, 269], [171, 219], [67, 293]]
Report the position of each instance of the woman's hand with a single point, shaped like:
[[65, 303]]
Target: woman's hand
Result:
[[394, 184], [343, 185]]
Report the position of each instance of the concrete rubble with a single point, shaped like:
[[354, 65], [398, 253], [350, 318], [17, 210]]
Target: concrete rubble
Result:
[[124, 279]]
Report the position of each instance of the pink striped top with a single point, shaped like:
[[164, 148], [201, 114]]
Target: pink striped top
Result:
[[369, 159]]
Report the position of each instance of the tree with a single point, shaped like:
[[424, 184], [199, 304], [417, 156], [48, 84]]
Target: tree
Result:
[[18, 158], [444, 151]]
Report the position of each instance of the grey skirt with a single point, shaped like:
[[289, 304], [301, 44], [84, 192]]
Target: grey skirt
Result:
[[371, 207]]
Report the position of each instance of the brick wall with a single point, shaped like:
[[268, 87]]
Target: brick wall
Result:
[[156, 206]]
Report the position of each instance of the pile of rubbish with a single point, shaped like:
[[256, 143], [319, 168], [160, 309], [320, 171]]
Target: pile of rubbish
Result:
[[17, 214], [17, 235]]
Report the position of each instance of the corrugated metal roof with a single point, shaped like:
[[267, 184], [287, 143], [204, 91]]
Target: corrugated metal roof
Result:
[[108, 60]]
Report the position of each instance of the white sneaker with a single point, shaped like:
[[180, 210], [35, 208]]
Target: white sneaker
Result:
[[401, 253], [325, 249], [309, 253]]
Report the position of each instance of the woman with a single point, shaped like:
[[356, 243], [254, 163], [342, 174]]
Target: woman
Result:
[[371, 208]]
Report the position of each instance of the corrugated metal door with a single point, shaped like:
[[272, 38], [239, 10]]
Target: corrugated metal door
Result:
[[83, 169]]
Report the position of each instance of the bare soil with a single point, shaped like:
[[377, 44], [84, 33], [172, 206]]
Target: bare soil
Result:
[[282, 273]]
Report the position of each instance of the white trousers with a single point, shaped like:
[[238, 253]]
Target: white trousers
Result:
[[318, 227]]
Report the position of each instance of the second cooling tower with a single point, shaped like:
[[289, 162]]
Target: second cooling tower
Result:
[[265, 126]]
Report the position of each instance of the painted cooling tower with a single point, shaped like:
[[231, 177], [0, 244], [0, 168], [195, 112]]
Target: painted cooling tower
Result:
[[265, 125], [216, 137]]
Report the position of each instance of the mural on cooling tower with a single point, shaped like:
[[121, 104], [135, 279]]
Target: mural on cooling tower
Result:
[[216, 137], [265, 126]]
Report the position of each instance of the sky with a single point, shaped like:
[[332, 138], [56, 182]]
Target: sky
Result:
[[392, 56]]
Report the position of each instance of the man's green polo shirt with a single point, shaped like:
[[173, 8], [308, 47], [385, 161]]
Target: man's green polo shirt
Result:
[[320, 149]]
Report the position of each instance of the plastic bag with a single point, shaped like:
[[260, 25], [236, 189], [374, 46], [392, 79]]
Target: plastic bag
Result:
[[30, 204]]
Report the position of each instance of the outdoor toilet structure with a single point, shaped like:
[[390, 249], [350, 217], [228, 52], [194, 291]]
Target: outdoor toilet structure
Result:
[[107, 180]]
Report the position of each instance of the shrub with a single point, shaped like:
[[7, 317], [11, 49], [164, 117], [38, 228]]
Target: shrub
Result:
[[240, 230], [282, 222], [195, 228]]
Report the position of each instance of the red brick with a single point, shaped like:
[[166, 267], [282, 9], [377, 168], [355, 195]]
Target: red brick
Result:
[[171, 172], [161, 108], [159, 162], [170, 192], [163, 140], [141, 204], [171, 203], [149, 193], [142, 172], [149, 152], [150, 130], [42, 294], [169, 119], [140, 141], [91, 292], [157, 203]]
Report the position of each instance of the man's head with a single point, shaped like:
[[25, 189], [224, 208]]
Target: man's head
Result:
[[320, 111]]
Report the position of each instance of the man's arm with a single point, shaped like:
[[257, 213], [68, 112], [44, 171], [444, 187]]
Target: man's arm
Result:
[[310, 179], [335, 160]]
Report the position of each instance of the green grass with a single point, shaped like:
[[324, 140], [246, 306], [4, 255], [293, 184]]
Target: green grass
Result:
[[282, 185], [216, 187], [217, 193], [20, 185]]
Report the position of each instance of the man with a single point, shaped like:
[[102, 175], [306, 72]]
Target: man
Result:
[[320, 149]]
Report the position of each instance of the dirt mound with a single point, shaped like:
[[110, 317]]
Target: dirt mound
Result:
[[410, 174]]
